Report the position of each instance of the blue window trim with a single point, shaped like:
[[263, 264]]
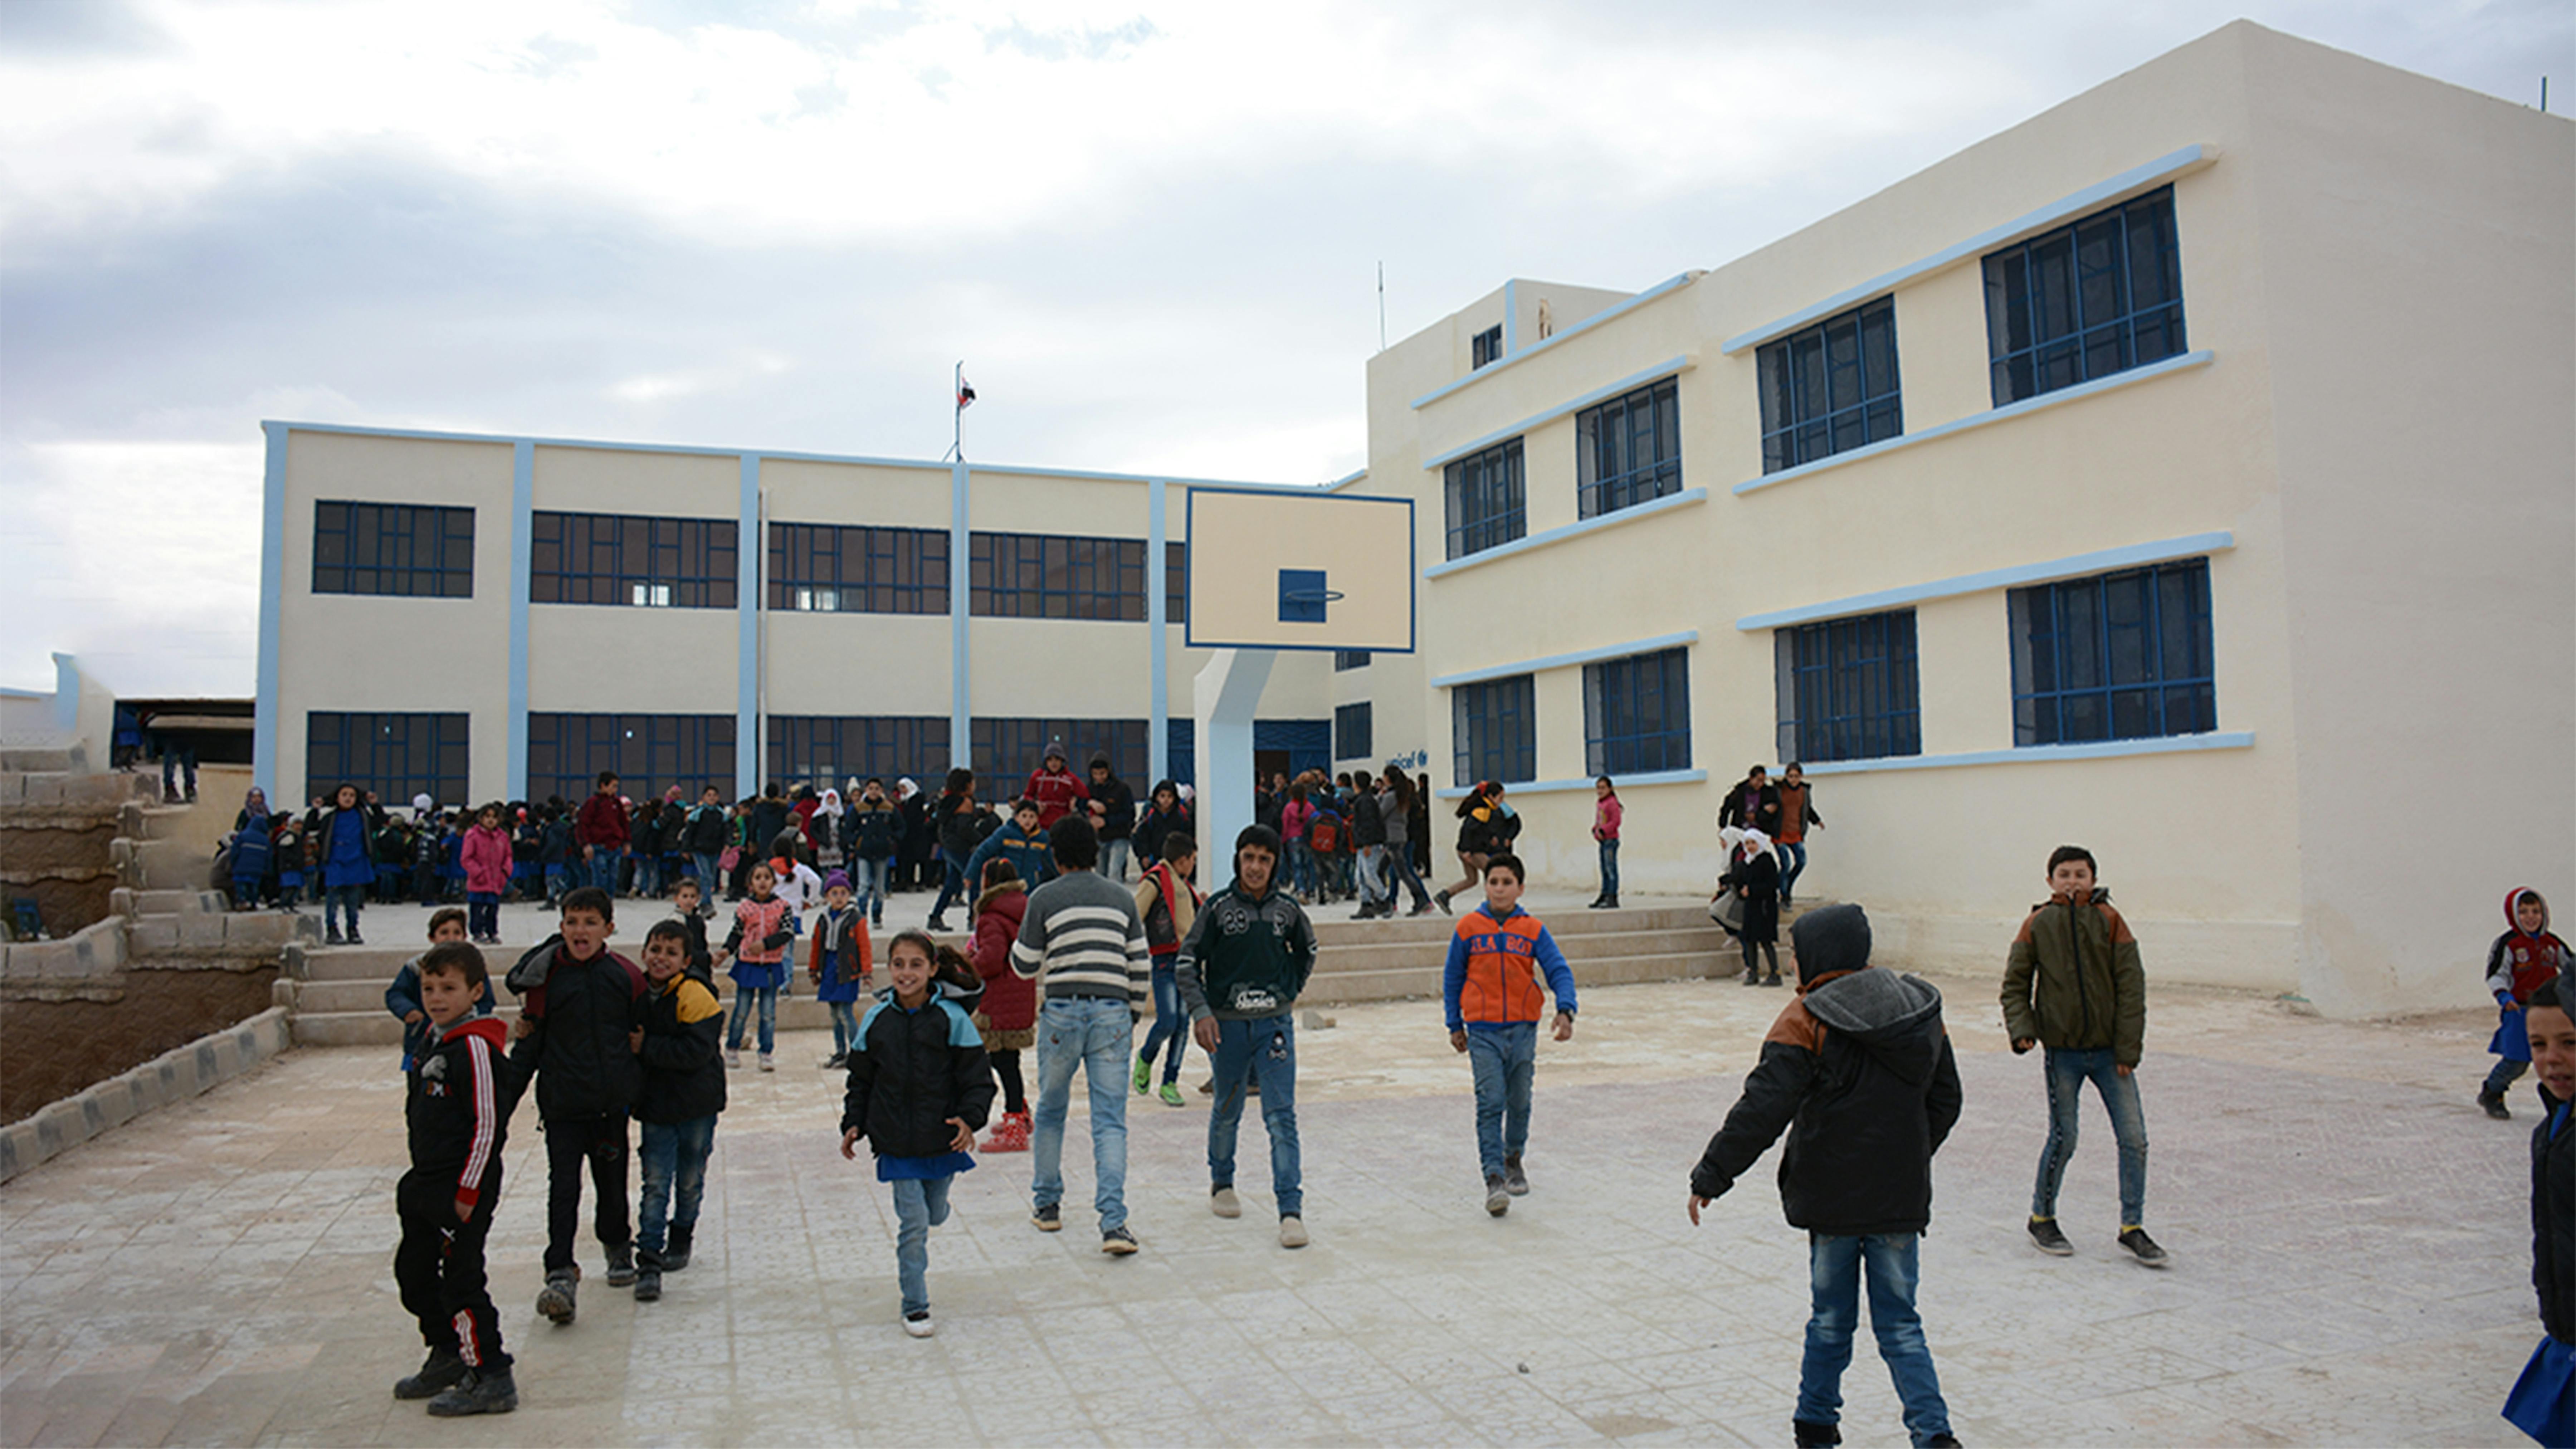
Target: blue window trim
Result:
[[1794, 416], [1652, 645], [1510, 707], [2155, 650], [2006, 413], [1671, 367], [1515, 358], [844, 558], [2038, 754], [1849, 688], [444, 738], [1491, 505], [1625, 782], [565, 742], [2108, 560], [712, 582], [1637, 714], [1565, 532], [2091, 344], [415, 550], [1354, 730], [1608, 429], [1014, 575]]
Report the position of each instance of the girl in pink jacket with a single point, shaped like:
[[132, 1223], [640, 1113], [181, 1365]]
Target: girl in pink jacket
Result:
[[485, 854]]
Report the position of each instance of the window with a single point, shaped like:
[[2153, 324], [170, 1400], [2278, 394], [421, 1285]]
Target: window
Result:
[[395, 755], [629, 559], [858, 570], [1006, 750], [2122, 656], [1344, 659], [1487, 346], [1636, 714], [1830, 388], [1848, 689], [1495, 731], [829, 751], [1176, 583], [1351, 731], [1628, 450], [2085, 301], [1053, 576], [649, 752], [1485, 500], [393, 548]]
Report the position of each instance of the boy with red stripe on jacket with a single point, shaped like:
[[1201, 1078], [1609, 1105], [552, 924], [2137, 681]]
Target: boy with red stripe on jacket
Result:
[[2522, 958], [1491, 989], [458, 1109]]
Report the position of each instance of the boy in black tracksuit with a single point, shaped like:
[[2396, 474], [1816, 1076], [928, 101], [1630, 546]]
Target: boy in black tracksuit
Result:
[[580, 1006], [1858, 1071], [457, 1113], [680, 1045]]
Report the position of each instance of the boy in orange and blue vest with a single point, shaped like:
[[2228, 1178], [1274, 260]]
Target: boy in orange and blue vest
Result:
[[1491, 989]]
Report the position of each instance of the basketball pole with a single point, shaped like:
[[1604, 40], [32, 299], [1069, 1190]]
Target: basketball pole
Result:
[[1225, 695]]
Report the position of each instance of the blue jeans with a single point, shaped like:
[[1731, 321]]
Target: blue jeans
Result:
[[766, 999], [674, 1155], [345, 900], [952, 886], [603, 868], [1301, 868], [710, 885], [1169, 1024], [1399, 868], [1833, 1276], [1264, 1050], [1609, 869], [1114, 855], [2068, 1071], [920, 1204], [1092, 1033], [1505, 1058], [482, 914], [868, 887], [845, 1025], [648, 875], [1796, 851]]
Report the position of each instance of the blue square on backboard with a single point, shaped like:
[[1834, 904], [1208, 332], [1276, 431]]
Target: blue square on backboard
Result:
[[1302, 596]]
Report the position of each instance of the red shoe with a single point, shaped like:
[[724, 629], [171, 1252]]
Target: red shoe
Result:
[[1011, 1134]]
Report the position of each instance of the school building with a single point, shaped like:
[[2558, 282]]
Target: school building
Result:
[[2188, 472]]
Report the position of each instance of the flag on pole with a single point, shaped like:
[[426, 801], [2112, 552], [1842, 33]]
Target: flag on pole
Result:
[[965, 392]]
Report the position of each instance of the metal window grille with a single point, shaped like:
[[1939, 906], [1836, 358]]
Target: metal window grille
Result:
[[1849, 689], [649, 752], [408, 550], [1830, 388], [1347, 659], [2085, 301], [858, 569], [829, 751], [1176, 583], [2121, 656], [1628, 450], [395, 755], [1353, 729], [1636, 714], [1485, 500], [1006, 750], [632, 560], [1057, 576], [1494, 729], [1486, 347]]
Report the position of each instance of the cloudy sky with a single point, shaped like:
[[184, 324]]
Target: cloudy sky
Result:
[[1151, 227]]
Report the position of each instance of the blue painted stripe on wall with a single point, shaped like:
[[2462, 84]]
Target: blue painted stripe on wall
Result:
[[272, 579], [2066, 208], [1158, 744], [1606, 314], [1670, 368], [523, 512], [1612, 519], [1559, 661], [2072, 566], [751, 556], [2040, 754]]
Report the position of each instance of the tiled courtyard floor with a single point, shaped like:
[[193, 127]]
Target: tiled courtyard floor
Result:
[[2350, 1236]]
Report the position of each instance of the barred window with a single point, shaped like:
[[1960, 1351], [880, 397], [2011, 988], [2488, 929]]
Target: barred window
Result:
[[649, 752], [396, 756], [2120, 656], [1849, 689], [1636, 714], [1494, 731], [828, 750], [1628, 450], [632, 559], [2085, 301], [1485, 498], [410, 550], [1830, 388], [1057, 576], [830, 568]]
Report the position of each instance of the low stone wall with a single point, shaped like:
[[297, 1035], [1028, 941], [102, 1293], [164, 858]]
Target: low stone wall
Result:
[[173, 1076], [76, 1011]]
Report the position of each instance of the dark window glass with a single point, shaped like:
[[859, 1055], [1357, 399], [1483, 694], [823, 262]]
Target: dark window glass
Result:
[[1006, 750], [831, 751], [2122, 656], [848, 569], [1847, 689], [2085, 301], [1830, 388], [396, 756], [1636, 714], [412, 551], [649, 752], [1628, 450], [1486, 346], [1349, 659], [1494, 732], [628, 559], [1352, 731], [1176, 583], [1055, 576], [1485, 500]]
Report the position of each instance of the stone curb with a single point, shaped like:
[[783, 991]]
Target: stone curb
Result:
[[173, 1076]]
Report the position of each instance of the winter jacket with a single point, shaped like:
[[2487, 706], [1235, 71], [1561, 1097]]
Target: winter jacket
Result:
[[644, 831], [1391, 811], [1113, 808], [403, 998], [953, 817], [762, 931], [768, 817], [1744, 808], [1157, 825], [556, 848], [1294, 817], [2516, 963], [708, 830], [578, 1052], [841, 956], [344, 839], [682, 1055], [1245, 957], [601, 823], [2553, 1217], [1368, 821], [251, 849], [1606, 815], [1167, 905], [1756, 879], [1489, 979], [2073, 982], [1010, 1000], [1487, 828], [1027, 852], [873, 829], [913, 1069], [487, 860], [1057, 792], [456, 1107], [1797, 812]]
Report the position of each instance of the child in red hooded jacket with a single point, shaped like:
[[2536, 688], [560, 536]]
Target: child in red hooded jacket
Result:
[[2517, 963]]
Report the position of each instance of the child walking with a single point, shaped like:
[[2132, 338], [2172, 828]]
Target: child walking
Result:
[[1240, 971], [1008, 1012], [403, 997], [1754, 870], [840, 964], [457, 1112], [684, 1090], [919, 1087], [1491, 990], [1606, 813], [764, 926], [1168, 899], [2527, 954]]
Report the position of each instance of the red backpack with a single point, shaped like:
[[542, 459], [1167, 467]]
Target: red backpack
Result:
[[1324, 835]]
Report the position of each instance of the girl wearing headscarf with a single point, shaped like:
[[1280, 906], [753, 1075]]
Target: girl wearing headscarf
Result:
[[1754, 870]]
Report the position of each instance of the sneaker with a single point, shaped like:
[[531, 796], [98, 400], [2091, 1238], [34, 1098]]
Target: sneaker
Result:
[[1498, 1198], [1812, 1435], [481, 1391], [1442, 899], [1118, 1242], [1171, 1094], [333, 939], [1515, 1181], [621, 1266], [918, 1324], [2494, 1103], [357, 940], [1144, 1074], [834, 1061], [1224, 1203], [1771, 980], [766, 1064], [443, 1367], [733, 1058], [648, 1285], [1292, 1231], [936, 924], [2143, 1248], [2045, 1236], [556, 1299], [1049, 1218], [1752, 977]]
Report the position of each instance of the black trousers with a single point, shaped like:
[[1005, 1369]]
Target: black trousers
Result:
[[599, 1142], [438, 1266]]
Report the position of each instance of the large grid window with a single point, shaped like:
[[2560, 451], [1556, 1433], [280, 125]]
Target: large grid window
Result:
[[2085, 301], [1006, 750], [1056, 576], [2122, 656], [623, 558], [828, 750], [1636, 714], [649, 752], [414, 551], [1354, 729], [1628, 450], [1830, 388], [395, 755], [1494, 731], [1849, 689], [858, 570], [1486, 500], [1176, 583]]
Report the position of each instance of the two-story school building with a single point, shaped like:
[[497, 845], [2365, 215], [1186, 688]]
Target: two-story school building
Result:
[[2188, 472]]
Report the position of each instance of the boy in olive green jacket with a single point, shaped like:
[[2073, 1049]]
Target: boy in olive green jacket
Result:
[[2074, 986]]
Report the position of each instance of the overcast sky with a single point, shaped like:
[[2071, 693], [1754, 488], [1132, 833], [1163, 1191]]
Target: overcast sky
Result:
[[1151, 227]]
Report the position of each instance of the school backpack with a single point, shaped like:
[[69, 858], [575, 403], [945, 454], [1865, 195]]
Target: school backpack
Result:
[[1324, 834]]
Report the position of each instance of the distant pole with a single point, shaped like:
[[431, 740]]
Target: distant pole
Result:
[[1381, 267], [2544, 95]]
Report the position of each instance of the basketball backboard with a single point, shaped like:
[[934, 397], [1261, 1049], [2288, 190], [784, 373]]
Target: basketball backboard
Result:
[[1284, 569]]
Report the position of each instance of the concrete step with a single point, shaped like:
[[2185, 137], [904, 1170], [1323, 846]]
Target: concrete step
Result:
[[58, 789], [1333, 926], [263, 931], [1578, 948], [126, 901], [1397, 983]]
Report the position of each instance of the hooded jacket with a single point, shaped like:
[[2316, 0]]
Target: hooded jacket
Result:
[[1858, 1071], [1114, 803], [871, 828], [456, 1112], [912, 1070], [684, 1076], [1157, 823], [487, 860], [1245, 958], [1058, 792], [578, 1051], [2072, 981], [2518, 963], [1010, 1000]]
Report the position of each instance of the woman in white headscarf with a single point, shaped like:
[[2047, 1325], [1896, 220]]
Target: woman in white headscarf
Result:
[[1754, 870]]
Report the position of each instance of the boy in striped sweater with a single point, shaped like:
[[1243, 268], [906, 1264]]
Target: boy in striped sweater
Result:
[[1082, 942]]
